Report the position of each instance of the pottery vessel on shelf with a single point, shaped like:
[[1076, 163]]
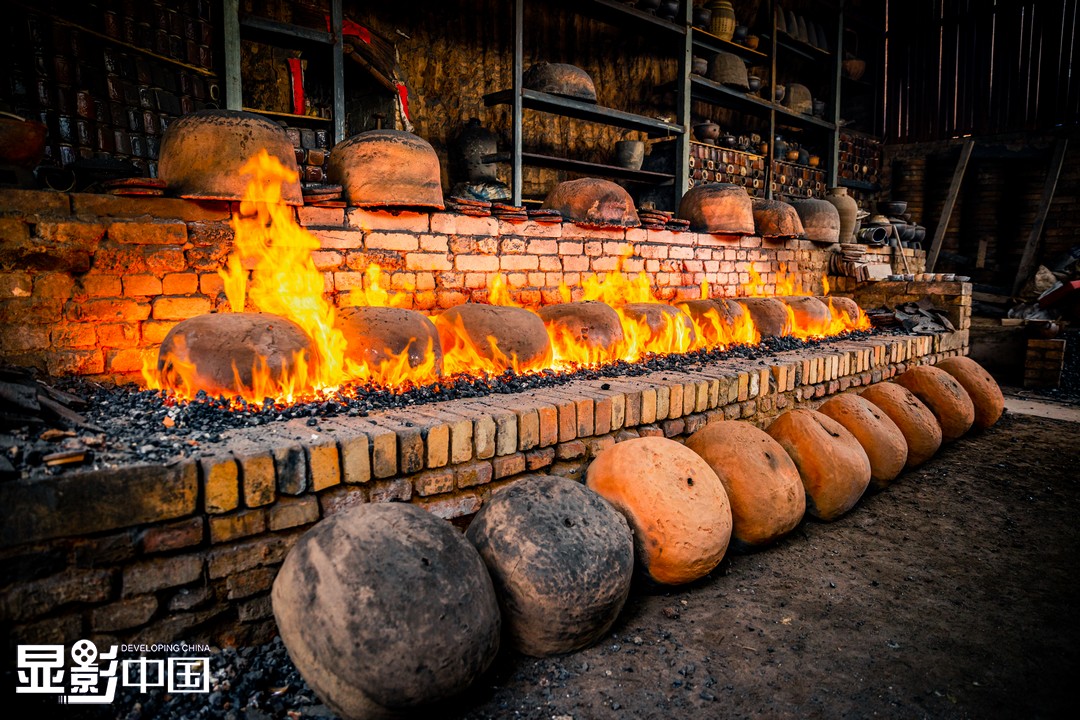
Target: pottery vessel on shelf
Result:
[[778, 93], [707, 132], [560, 79], [699, 65], [755, 83], [752, 41], [892, 208], [668, 9], [741, 31], [723, 19], [702, 17], [853, 68], [629, 154], [730, 70], [818, 107]]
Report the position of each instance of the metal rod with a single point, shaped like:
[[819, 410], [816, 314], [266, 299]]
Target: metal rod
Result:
[[234, 98], [516, 112], [336, 25]]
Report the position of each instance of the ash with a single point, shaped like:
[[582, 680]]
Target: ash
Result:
[[128, 425]]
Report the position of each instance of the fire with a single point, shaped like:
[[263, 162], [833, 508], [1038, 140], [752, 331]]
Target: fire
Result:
[[271, 270]]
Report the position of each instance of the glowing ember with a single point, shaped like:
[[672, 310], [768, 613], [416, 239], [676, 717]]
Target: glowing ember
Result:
[[271, 271]]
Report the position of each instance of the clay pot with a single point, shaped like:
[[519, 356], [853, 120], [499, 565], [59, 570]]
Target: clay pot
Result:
[[723, 19], [202, 152], [593, 203], [809, 312], [847, 208], [730, 70], [560, 79], [699, 65], [663, 322], [983, 390], [629, 154], [668, 9], [945, 397], [820, 219], [674, 502], [920, 429], [779, 93], [707, 132], [375, 335], [720, 208], [216, 343], [591, 324], [387, 168], [467, 153], [715, 319], [844, 305], [702, 18], [762, 483], [853, 68], [798, 99], [832, 464], [775, 219], [499, 333], [879, 436], [386, 609], [22, 141], [770, 316], [892, 208], [754, 82], [561, 559]]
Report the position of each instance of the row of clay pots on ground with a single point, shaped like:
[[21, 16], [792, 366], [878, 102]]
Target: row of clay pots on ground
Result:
[[386, 609]]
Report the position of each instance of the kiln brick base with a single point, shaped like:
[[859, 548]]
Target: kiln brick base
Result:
[[189, 551]]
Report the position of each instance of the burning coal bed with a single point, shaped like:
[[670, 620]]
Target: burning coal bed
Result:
[[123, 425]]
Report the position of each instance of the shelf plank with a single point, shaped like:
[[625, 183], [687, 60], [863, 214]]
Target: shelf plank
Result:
[[287, 115], [285, 30], [582, 167], [615, 13], [798, 47], [545, 102], [704, 40], [709, 91]]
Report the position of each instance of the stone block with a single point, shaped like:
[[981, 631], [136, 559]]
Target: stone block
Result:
[[539, 458], [32, 599], [355, 459], [81, 503], [124, 614], [290, 469], [293, 512], [221, 484], [240, 524], [148, 233], [433, 482], [153, 575], [173, 536], [473, 474], [250, 582], [324, 465], [508, 465]]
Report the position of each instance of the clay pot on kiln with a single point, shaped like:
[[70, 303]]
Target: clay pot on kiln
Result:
[[505, 335], [590, 324], [560, 79], [387, 168], [820, 219], [847, 208], [593, 202], [770, 315], [375, 335], [201, 154], [718, 208], [776, 219]]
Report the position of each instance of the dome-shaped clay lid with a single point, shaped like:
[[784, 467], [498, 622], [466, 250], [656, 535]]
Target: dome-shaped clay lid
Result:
[[594, 203], [560, 79], [820, 218], [776, 219], [387, 168], [202, 153], [718, 208], [730, 70]]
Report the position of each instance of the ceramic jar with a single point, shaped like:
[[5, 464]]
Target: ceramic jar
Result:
[[723, 19], [848, 209]]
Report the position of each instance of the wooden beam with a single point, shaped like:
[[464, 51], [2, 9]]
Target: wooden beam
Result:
[[1027, 261], [950, 203], [231, 33]]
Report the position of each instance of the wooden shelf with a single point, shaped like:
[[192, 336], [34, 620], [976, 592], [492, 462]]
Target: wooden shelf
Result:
[[569, 107], [708, 42], [288, 115], [803, 49], [615, 12], [582, 167], [716, 93], [285, 30], [857, 184]]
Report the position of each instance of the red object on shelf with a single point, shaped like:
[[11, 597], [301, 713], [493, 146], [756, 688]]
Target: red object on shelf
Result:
[[296, 79], [1063, 292]]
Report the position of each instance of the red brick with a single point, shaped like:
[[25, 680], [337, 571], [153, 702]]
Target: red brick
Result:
[[16, 284], [476, 473], [180, 284], [384, 220], [74, 335], [31, 311], [34, 598], [519, 262], [250, 582], [476, 263], [455, 224], [75, 362], [53, 285], [434, 243], [101, 285], [23, 338], [244, 523], [316, 216], [148, 233], [433, 482], [508, 465], [163, 538], [124, 614], [398, 242], [129, 360], [180, 308], [293, 512], [221, 484], [537, 459], [153, 331], [141, 285], [428, 261], [152, 575], [110, 311]]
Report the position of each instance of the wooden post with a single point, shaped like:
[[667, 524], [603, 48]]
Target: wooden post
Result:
[[338, 61], [682, 116], [1027, 262], [517, 111], [950, 202], [231, 33]]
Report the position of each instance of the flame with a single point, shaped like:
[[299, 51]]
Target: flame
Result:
[[271, 270]]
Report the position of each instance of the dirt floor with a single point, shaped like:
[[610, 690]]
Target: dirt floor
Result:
[[953, 594]]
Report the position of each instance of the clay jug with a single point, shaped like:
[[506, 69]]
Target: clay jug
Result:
[[723, 19], [848, 209]]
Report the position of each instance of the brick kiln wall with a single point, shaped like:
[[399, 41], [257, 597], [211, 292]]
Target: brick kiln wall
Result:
[[90, 284]]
